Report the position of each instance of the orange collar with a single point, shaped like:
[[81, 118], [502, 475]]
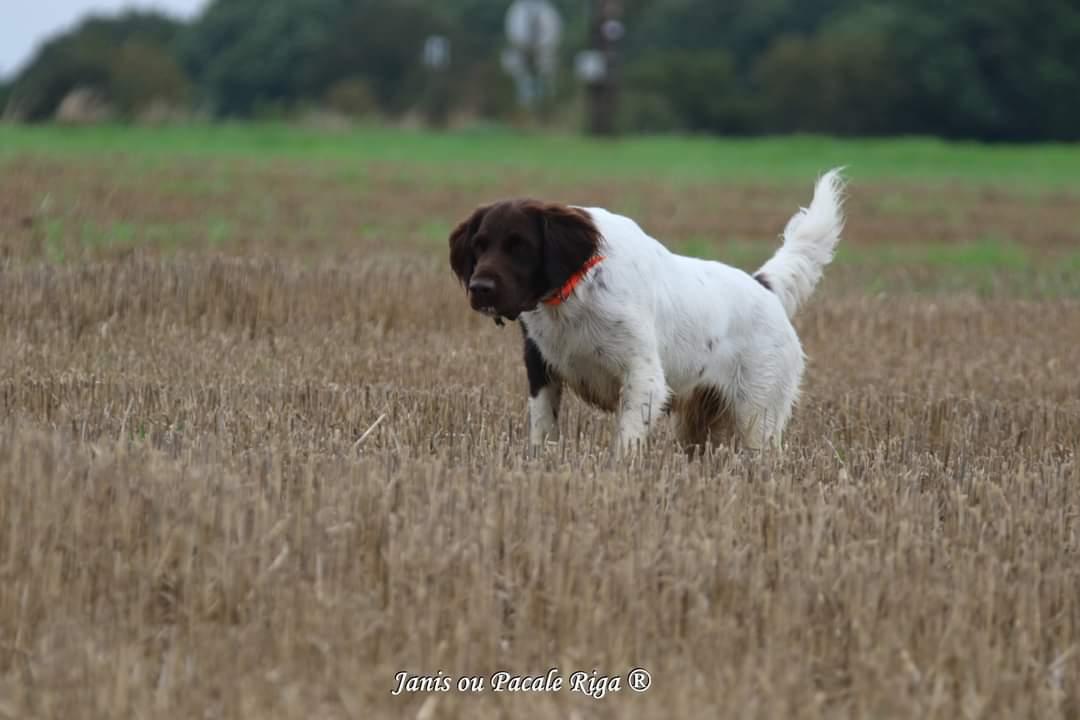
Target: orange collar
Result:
[[567, 290]]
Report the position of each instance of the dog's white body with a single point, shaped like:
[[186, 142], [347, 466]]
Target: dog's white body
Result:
[[647, 329]]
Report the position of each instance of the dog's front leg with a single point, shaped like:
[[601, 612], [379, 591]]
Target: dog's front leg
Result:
[[544, 414], [643, 395], [545, 395]]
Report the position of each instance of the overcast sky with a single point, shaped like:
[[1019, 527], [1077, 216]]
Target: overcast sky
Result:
[[25, 23]]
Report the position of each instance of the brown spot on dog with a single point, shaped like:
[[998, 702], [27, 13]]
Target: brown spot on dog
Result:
[[601, 395], [704, 416], [665, 408]]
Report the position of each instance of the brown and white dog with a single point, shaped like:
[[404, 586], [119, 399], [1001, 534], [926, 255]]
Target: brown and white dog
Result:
[[638, 330]]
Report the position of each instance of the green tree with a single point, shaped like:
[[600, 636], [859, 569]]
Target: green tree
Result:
[[141, 74], [999, 70], [253, 54], [846, 79], [695, 90], [96, 55], [382, 42]]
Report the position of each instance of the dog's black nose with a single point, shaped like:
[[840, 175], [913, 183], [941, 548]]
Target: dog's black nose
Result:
[[482, 290]]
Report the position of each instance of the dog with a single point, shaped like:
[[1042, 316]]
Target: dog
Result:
[[638, 330]]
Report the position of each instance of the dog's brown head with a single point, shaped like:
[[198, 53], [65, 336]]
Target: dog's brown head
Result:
[[511, 255]]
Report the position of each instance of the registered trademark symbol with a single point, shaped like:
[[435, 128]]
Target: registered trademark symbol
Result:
[[639, 679]]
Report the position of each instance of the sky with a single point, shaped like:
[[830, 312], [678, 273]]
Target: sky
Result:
[[25, 23]]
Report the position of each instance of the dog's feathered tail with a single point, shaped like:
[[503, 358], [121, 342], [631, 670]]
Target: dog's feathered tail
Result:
[[810, 240]]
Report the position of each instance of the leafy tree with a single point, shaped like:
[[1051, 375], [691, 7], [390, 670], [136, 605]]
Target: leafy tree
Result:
[[351, 96], [382, 42], [995, 70], [846, 79], [695, 90], [250, 54], [141, 74], [742, 27], [1000, 70], [114, 56]]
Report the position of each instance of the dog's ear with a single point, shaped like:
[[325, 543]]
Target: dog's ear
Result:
[[570, 239], [461, 258]]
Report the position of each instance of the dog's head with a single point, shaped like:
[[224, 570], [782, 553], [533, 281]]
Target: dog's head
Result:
[[511, 255]]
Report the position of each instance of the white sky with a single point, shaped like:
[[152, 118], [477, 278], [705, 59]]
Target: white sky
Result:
[[25, 23]]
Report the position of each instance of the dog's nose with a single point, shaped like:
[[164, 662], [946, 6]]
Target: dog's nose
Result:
[[482, 290]]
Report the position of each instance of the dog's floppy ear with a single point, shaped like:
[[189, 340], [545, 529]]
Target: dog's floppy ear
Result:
[[461, 259], [570, 239]]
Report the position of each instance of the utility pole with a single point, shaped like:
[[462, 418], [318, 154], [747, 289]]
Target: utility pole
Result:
[[605, 31], [436, 59], [534, 28]]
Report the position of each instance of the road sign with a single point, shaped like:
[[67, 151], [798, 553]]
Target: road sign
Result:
[[533, 25]]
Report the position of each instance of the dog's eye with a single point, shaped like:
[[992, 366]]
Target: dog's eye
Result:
[[480, 244]]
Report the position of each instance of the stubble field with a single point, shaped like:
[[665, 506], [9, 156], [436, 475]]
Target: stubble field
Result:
[[257, 457]]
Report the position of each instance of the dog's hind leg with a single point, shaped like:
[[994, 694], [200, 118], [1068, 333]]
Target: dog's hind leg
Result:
[[705, 416], [761, 421]]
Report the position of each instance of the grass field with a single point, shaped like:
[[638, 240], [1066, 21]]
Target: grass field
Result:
[[474, 157], [257, 457]]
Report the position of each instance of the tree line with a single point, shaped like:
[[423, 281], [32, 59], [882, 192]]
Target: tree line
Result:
[[996, 70]]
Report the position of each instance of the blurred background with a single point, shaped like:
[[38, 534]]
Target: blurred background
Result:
[[1002, 70]]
